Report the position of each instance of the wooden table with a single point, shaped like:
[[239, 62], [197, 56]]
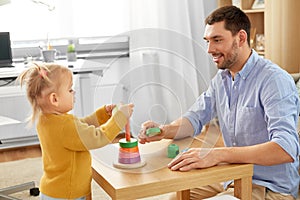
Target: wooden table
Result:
[[155, 178]]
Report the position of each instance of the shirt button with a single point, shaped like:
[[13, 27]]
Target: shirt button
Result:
[[234, 144]]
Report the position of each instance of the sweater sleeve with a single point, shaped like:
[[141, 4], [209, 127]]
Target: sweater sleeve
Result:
[[97, 118], [92, 137]]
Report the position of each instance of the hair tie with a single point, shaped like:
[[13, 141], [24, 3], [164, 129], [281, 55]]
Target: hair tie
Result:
[[43, 73]]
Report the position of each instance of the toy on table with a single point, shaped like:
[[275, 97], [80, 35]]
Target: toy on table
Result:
[[173, 150], [129, 155], [150, 132]]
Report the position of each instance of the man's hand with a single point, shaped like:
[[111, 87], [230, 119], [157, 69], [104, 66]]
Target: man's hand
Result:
[[194, 158], [143, 138]]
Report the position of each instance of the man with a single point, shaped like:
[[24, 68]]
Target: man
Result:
[[257, 105]]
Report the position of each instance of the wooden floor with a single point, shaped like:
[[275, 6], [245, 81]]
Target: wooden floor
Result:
[[20, 153]]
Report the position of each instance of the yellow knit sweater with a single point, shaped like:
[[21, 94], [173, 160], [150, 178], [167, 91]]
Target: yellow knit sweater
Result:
[[65, 141]]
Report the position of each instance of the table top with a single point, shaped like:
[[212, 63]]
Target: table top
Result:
[[77, 67], [155, 178]]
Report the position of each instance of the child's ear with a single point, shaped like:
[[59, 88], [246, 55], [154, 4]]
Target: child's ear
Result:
[[53, 99]]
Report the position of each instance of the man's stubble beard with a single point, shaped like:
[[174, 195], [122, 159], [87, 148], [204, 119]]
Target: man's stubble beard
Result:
[[232, 57]]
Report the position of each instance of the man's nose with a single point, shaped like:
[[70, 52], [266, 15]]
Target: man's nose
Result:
[[210, 48]]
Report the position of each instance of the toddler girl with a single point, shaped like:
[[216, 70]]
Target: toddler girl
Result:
[[64, 138]]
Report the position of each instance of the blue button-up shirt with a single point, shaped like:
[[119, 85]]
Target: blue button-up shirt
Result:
[[261, 105]]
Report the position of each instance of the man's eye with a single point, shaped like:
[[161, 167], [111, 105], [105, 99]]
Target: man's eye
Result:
[[71, 90], [218, 40]]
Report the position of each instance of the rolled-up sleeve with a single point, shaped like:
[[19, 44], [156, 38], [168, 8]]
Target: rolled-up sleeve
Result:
[[281, 102], [202, 111]]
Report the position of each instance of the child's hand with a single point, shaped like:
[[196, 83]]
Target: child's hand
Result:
[[126, 109], [109, 109]]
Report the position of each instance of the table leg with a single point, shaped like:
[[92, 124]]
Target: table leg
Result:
[[183, 195], [243, 188]]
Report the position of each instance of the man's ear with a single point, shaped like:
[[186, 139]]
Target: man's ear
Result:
[[242, 37], [53, 99]]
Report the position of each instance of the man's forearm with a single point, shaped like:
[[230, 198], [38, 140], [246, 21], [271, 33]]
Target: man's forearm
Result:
[[266, 154], [179, 128]]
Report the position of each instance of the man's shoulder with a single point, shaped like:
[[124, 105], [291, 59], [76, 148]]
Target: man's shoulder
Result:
[[271, 70]]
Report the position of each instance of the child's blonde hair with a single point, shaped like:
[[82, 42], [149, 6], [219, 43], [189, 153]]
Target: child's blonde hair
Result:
[[40, 81]]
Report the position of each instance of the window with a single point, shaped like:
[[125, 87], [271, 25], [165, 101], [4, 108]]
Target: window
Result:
[[26, 20]]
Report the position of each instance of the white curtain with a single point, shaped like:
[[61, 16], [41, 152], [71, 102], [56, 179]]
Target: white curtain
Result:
[[169, 66]]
